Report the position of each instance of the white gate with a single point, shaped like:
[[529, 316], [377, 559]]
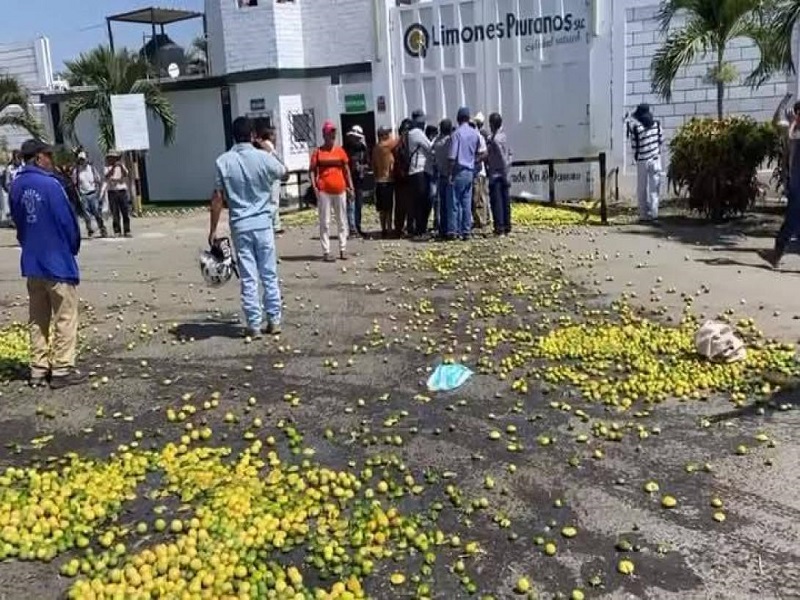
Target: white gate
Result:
[[529, 60]]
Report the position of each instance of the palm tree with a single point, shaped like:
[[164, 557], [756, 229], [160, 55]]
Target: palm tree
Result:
[[783, 16], [14, 96], [709, 27], [198, 56], [105, 73]]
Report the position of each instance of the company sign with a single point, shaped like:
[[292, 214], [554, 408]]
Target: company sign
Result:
[[543, 31]]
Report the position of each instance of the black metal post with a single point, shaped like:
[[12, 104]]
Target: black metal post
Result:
[[205, 37], [156, 58], [55, 117], [143, 181], [551, 181], [227, 115], [603, 175], [110, 35]]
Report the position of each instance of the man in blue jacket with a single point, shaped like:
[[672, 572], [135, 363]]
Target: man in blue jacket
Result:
[[48, 232]]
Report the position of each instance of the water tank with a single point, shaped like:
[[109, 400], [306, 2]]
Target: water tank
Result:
[[161, 52]]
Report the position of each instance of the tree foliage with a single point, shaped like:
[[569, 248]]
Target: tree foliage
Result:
[[104, 73], [15, 97]]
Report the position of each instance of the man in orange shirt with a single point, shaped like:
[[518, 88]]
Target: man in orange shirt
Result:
[[331, 181]]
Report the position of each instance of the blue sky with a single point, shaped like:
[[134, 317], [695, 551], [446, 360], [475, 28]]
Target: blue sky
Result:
[[75, 26]]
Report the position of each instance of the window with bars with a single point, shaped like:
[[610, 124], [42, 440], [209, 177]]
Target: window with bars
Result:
[[303, 129]]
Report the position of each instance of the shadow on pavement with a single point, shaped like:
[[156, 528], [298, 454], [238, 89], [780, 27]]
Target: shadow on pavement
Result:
[[204, 331], [781, 401], [699, 231]]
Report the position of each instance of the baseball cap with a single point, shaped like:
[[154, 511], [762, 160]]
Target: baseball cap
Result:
[[463, 113], [82, 155], [357, 131], [479, 118], [32, 147], [418, 114], [328, 126]]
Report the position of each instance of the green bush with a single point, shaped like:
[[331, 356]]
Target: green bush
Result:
[[715, 162]]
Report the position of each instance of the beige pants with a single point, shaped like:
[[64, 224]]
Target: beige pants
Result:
[[53, 303], [480, 207], [336, 204]]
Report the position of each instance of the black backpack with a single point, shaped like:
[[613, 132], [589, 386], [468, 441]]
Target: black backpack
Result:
[[402, 160]]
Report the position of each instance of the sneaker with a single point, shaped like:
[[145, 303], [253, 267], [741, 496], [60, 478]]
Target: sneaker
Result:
[[36, 381], [253, 332], [71, 377], [773, 257], [342, 255], [328, 258], [89, 233], [103, 233], [272, 328], [128, 234]]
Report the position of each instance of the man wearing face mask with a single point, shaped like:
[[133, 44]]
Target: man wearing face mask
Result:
[[48, 232]]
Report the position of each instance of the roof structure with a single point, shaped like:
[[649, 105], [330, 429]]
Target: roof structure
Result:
[[155, 16]]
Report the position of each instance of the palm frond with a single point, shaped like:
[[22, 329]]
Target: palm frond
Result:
[[25, 121], [679, 50]]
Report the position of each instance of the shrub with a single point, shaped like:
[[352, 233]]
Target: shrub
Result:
[[716, 163]]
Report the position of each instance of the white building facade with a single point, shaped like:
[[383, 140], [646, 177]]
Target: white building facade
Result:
[[301, 62]]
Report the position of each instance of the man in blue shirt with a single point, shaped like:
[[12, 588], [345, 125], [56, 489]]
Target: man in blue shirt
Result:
[[48, 232], [464, 154], [244, 181]]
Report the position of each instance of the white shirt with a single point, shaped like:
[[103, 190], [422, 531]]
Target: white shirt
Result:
[[117, 179], [87, 179]]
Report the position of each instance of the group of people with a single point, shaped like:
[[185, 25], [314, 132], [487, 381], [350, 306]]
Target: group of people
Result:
[[446, 171]]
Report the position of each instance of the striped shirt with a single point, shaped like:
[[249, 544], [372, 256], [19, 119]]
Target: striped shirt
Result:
[[646, 141]]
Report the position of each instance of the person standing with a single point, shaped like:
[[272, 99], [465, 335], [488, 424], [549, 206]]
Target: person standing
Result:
[[332, 182], [790, 228], [419, 147], [464, 155], [444, 189], [266, 138], [401, 163], [119, 201], [646, 140], [498, 163], [88, 183], [358, 155], [9, 173], [432, 132], [50, 238], [480, 209], [245, 177], [382, 167]]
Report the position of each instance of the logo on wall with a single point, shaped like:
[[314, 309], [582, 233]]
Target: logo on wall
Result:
[[416, 40], [547, 30]]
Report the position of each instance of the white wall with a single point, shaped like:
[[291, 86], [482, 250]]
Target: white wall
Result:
[[185, 169], [304, 34], [30, 63]]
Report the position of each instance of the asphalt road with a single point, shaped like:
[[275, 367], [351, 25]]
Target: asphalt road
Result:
[[148, 319]]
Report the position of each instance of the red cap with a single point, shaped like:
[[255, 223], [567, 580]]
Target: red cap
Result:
[[328, 126]]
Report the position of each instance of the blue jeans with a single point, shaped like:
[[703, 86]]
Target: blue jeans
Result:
[[445, 201], [461, 216], [500, 201], [354, 207], [256, 254], [90, 203], [434, 196]]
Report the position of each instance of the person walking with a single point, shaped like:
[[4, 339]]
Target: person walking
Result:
[[50, 238], [419, 147], [358, 155], [498, 163], [119, 201], [646, 140], [245, 177], [88, 183], [464, 155], [266, 138], [382, 167], [332, 182], [480, 208], [790, 228], [401, 163], [444, 189]]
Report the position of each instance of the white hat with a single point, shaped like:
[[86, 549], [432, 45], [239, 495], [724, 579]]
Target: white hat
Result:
[[357, 131], [478, 118], [82, 155]]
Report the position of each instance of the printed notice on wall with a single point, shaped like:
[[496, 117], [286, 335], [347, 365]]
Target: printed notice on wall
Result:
[[130, 122]]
